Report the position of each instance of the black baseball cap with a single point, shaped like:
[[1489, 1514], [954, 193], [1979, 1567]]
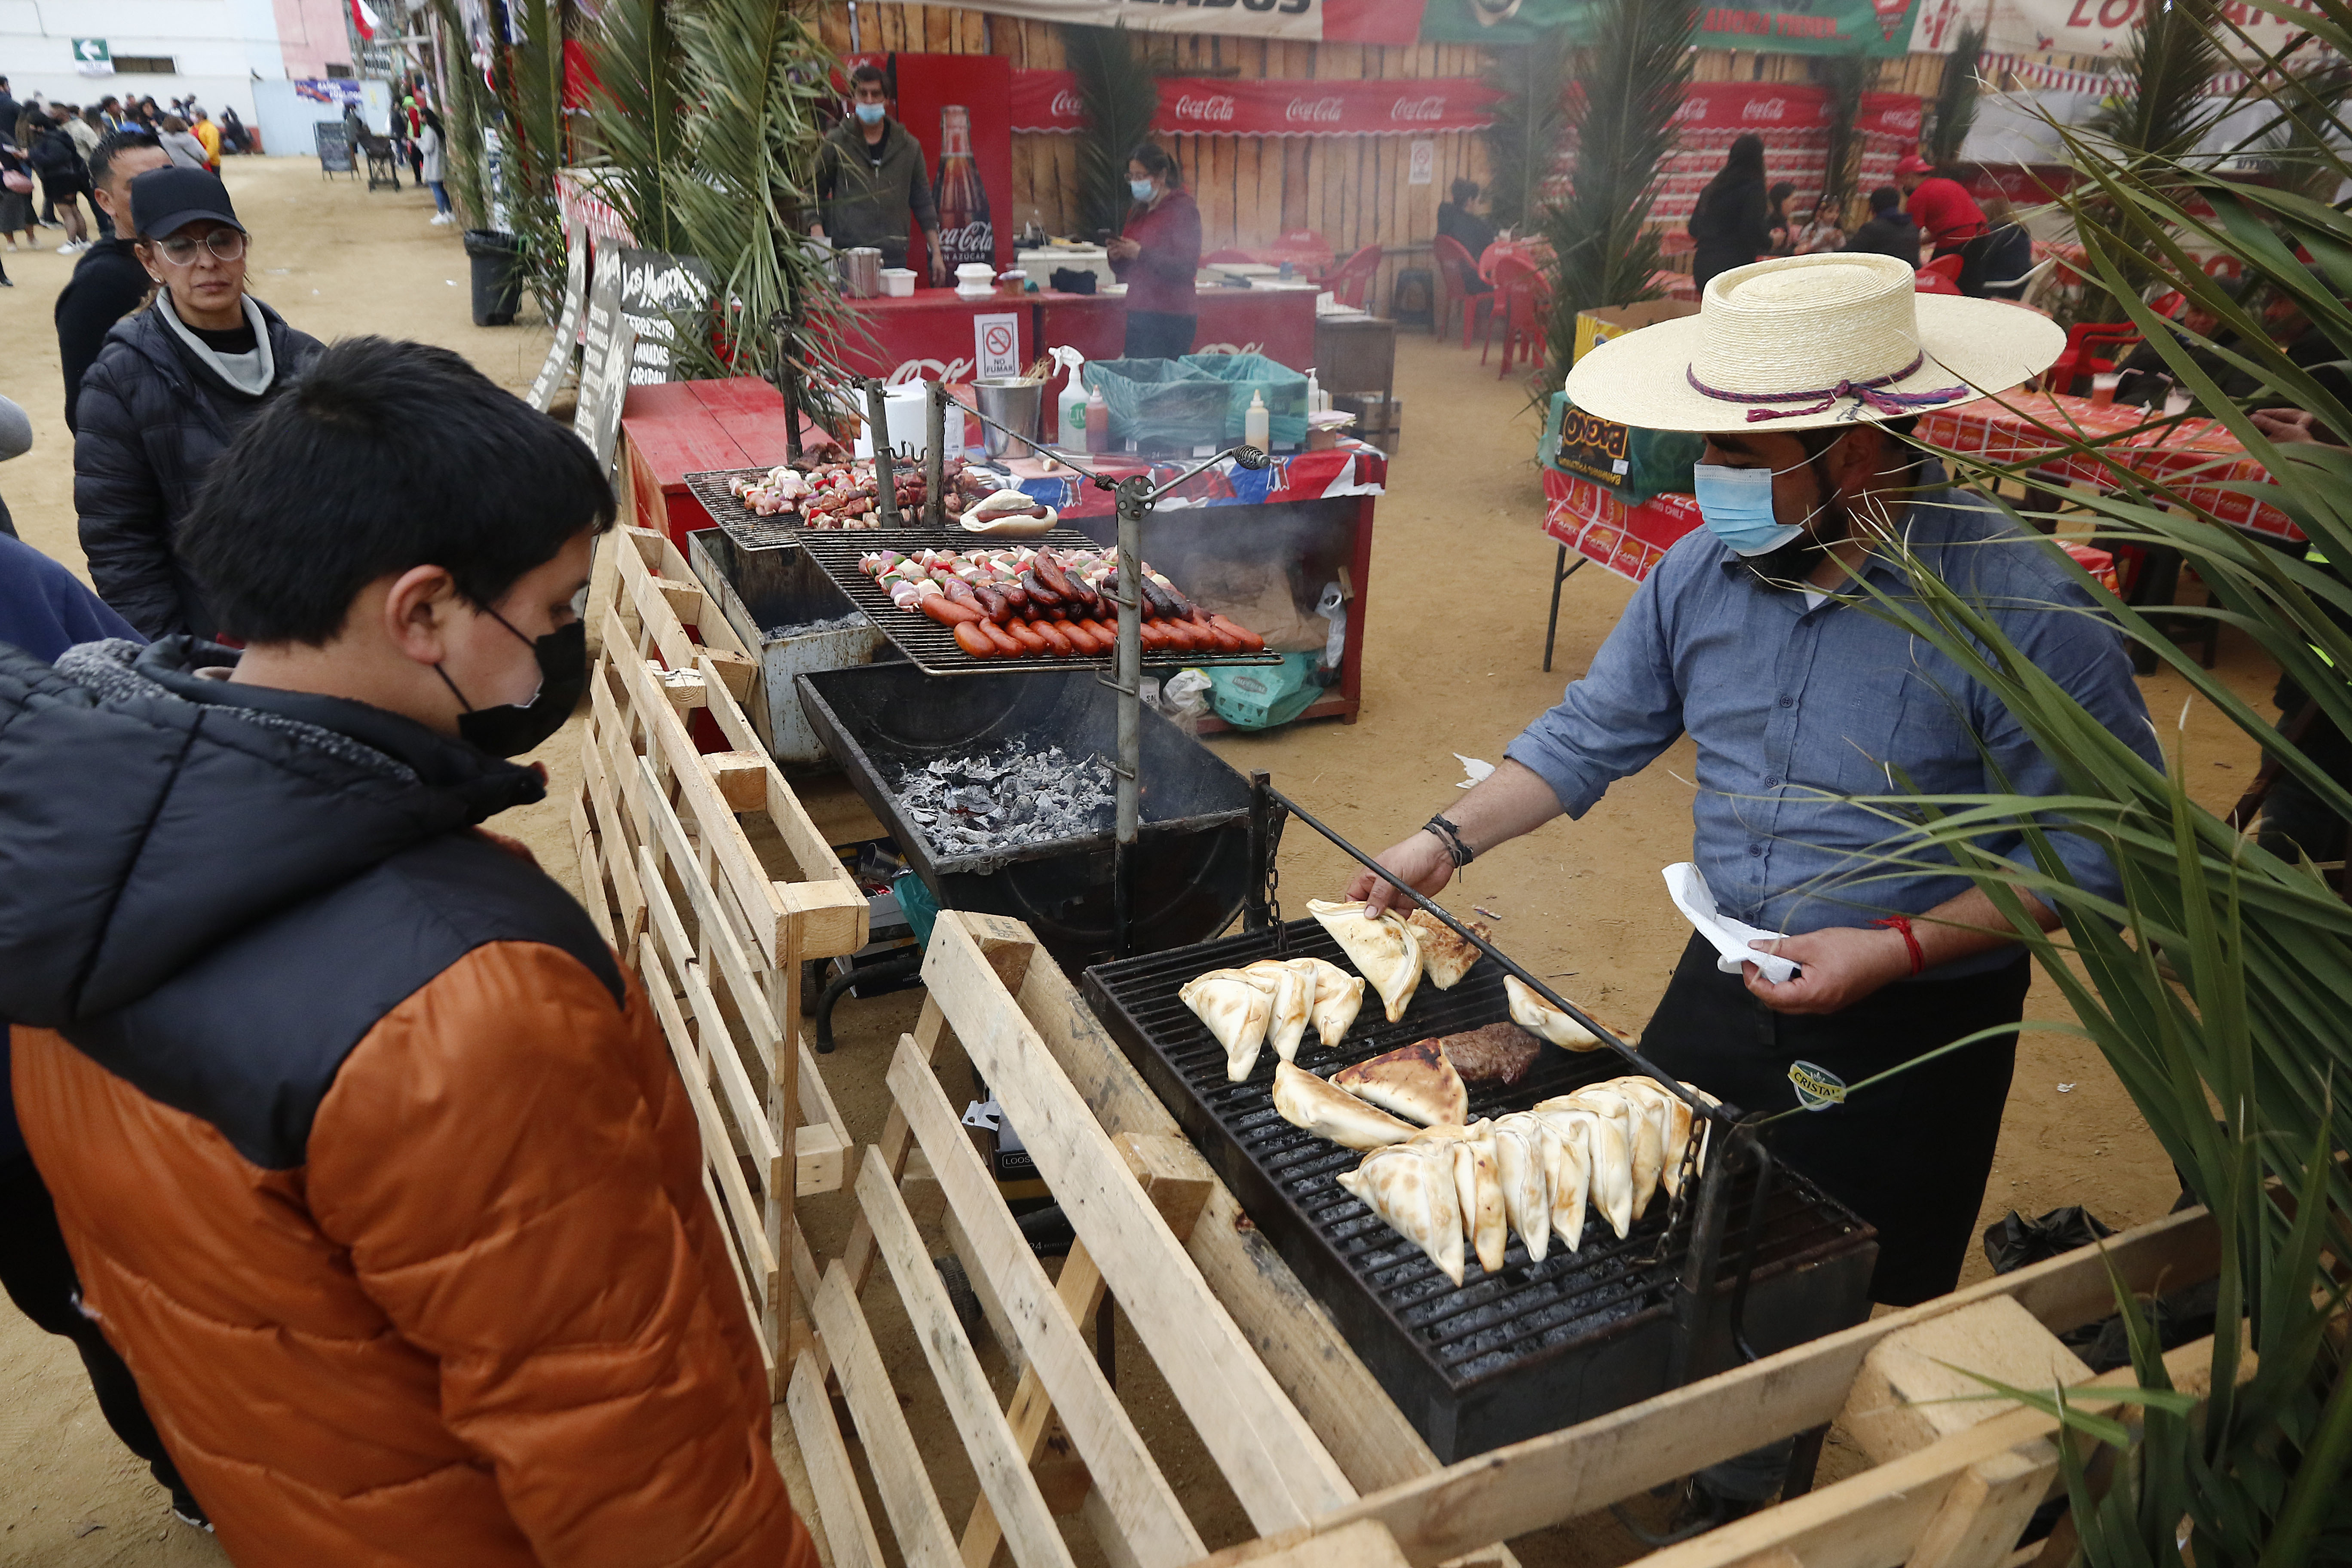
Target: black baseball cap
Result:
[[165, 201]]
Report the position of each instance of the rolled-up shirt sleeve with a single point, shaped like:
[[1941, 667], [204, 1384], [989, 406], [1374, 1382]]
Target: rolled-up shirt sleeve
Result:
[[1618, 718]]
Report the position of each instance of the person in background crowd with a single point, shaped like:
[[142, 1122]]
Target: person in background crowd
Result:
[[1461, 226], [431, 149], [869, 176], [1948, 217], [17, 182], [424, 1272], [202, 128], [1731, 221], [11, 110], [234, 140], [109, 283], [150, 115], [63, 177], [1889, 230], [110, 111], [2007, 252], [2145, 379], [1819, 233], [411, 123], [85, 127], [43, 611], [168, 392], [1777, 218], [1156, 254], [186, 151]]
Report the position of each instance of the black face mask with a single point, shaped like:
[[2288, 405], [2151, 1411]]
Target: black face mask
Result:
[[512, 729]]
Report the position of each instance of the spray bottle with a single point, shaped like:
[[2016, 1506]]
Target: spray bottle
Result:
[[1070, 410]]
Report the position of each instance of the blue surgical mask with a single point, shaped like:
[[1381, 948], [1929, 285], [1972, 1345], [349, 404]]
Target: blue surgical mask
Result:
[[1736, 504], [1142, 189], [870, 114]]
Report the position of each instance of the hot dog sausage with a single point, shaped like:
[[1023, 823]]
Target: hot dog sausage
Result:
[[946, 611], [973, 640]]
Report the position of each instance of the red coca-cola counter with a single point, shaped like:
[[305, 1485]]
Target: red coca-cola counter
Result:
[[936, 334]]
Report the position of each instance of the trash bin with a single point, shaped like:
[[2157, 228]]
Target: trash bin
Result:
[[1159, 405], [497, 276]]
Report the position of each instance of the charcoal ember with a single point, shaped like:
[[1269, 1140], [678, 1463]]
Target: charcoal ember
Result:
[[1009, 798]]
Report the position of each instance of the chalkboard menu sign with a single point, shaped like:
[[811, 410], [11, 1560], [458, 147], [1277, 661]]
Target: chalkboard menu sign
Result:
[[567, 327], [334, 147], [612, 395], [663, 296], [598, 386]]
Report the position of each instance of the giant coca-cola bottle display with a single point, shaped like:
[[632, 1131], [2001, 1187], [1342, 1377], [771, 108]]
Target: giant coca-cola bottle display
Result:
[[965, 234]]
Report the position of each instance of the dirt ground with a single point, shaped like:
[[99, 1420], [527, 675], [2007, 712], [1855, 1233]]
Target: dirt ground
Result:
[[1455, 608]]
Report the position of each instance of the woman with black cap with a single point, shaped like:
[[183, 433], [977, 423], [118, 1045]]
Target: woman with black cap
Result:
[[168, 392]]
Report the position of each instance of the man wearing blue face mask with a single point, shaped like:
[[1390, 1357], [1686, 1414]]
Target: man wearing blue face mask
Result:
[[869, 176], [1754, 637]]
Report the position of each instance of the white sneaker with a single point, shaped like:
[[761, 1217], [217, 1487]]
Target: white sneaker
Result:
[[71, 248], [439, 219]]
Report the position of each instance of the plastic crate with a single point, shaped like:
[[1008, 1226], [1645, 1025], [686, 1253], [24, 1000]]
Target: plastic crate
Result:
[[1260, 696], [1162, 403], [1283, 389]]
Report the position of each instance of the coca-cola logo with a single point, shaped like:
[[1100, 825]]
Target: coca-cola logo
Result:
[[1314, 110], [1693, 108], [973, 242], [1906, 120], [1067, 106], [929, 369], [1418, 108], [1215, 106], [1772, 109]]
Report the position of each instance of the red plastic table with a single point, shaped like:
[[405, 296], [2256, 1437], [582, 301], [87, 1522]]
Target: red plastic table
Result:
[[682, 427]]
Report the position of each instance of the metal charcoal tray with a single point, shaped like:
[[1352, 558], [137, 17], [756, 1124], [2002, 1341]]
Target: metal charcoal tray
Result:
[[933, 646], [1501, 1357]]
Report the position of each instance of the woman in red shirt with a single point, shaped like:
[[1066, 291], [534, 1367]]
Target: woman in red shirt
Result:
[[1156, 257]]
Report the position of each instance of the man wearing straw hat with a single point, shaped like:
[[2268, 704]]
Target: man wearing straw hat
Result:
[[1754, 637]]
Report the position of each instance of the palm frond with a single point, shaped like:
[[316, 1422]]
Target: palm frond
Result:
[[1118, 94], [1530, 117], [1954, 111], [1630, 82], [2168, 68], [463, 117], [529, 86], [1846, 77], [638, 115]]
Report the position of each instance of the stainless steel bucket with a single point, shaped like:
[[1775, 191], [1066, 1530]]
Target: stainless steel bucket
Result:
[[861, 272], [1015, 404]]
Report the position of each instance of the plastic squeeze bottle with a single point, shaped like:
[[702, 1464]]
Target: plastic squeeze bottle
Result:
[[1097, 423], [1258, 422], [1313, 392]]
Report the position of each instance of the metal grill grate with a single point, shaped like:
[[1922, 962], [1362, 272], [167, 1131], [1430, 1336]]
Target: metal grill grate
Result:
[[743, 525], [1538, 1329], [933, 646]]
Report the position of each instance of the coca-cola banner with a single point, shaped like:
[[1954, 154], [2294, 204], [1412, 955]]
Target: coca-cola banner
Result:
[[1793, 120], [1879, 29], [2075, 27], [1307, 21], [1048, 100]]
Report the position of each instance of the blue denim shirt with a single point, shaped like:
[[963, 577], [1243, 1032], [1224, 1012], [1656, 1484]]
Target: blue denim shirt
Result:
[[1789, 705]]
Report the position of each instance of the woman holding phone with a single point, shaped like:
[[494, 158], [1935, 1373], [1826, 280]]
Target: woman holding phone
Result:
[[1156, 257]]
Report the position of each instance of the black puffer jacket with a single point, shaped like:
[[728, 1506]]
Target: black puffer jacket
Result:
[[151, 419]]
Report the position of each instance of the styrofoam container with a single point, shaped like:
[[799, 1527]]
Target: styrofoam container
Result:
[[899, 282]]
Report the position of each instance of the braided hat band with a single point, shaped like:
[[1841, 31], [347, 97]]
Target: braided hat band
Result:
[[1821, 400]]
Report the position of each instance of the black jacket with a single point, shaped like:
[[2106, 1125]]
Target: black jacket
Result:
[[57, 160], [1890, 232], [1732, 225], [108, 283], [151, 419]]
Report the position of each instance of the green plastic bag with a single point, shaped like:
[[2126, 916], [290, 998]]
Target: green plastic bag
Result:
[[1283, 388], [1160, 404]]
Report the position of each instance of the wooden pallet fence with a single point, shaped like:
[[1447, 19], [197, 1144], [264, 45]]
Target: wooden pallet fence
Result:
[[1146, 1208], [682, 887]]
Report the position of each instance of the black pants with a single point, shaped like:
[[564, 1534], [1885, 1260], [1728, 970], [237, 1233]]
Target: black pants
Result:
[[1159, 334], [38, 1274], [1911, 1154]]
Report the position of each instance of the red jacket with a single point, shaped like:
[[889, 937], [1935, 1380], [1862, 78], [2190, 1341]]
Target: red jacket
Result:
[[1944, 212], [1162, 278]]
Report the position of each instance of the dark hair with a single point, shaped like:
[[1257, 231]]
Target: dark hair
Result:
[[868, 72], [1884, 197], [1745, 158], [1781, 191], [1156, 161], [385, 456], [112, 145], [1464, 190]]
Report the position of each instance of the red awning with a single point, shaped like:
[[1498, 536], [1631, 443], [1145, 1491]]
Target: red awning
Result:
[[1048, 100]]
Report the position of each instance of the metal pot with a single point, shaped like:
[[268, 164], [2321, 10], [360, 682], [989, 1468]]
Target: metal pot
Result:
[[861, 272]]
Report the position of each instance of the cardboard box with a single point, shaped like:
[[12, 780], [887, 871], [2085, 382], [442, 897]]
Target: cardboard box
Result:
[[1594, 328]]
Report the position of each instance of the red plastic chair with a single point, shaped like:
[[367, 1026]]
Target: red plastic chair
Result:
[[1456, 271], [1349, 280], [1526, 313], [2079, 359], [1946, 267], [1927, 283]]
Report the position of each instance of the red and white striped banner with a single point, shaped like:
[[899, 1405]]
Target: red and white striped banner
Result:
[[1048, 101], [1304, 21]]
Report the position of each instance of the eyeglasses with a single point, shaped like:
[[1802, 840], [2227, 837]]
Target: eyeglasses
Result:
[[226, 243]]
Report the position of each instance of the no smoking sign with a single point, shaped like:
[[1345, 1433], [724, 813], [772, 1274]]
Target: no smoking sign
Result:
[[996, 345]]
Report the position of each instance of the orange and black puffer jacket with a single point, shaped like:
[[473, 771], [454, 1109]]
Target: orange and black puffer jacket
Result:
[[372, 1160]]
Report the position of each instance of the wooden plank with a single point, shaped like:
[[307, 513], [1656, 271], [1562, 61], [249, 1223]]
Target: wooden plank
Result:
[[819, 1160], [890, 1453], [999, 1462], [740, 1206], [655, 614], [839, 1507], [1150, 1518], [614, 838], [1987, 1509], [1278, 1468], [739, 673], [1316, 1369], [1563, 1475], [592, 871], [716, 928], [741, 778], [1913, 1387], [743, 1283], [837, 921]]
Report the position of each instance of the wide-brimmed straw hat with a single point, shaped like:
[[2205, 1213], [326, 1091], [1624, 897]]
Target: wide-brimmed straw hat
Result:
[[1802, 341]]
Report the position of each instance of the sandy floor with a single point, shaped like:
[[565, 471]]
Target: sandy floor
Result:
[[1457, 606]]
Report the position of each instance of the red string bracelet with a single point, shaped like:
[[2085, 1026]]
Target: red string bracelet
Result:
[[1903, 924]]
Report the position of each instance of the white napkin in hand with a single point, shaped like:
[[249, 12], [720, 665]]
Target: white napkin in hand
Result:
[[1730, 937]]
